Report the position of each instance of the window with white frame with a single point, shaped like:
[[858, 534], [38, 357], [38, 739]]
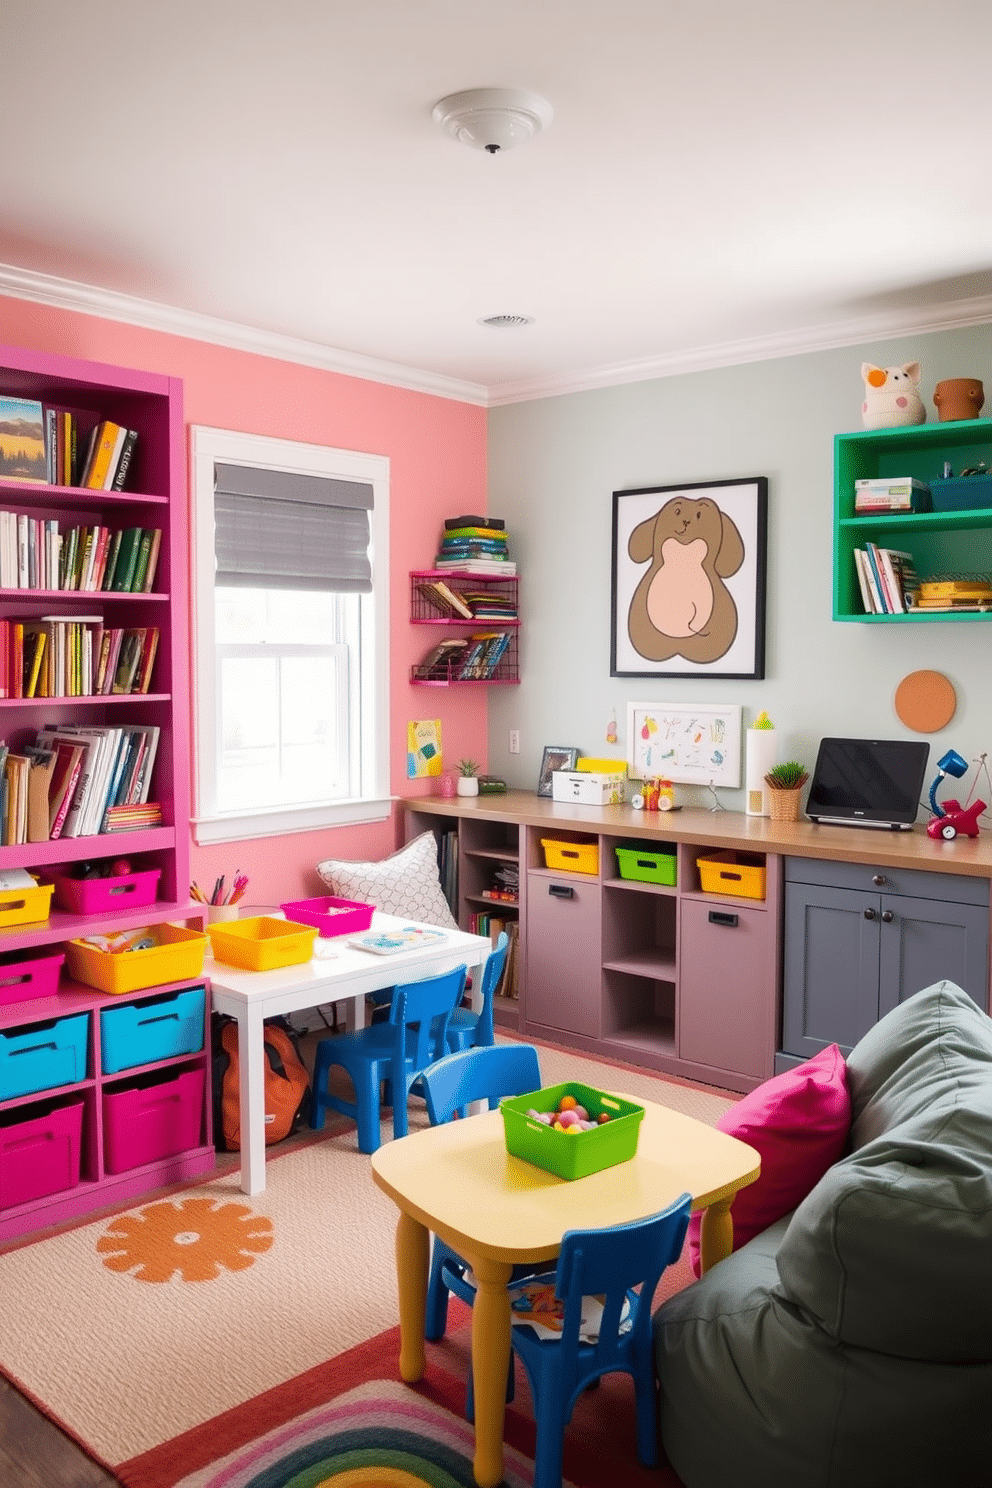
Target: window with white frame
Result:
[[290, 608]]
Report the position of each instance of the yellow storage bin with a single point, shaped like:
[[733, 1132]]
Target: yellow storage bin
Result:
[[574, 857], [740, 874], [177, 956], [25, 906], [262, 943]]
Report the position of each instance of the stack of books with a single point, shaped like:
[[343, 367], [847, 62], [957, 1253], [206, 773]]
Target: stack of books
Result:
[[887, 579], [474, 544], [48, 445], [486, 604], [890, 493], [483, 655], [956, 596]]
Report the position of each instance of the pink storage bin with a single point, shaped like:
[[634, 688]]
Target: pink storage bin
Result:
[[39, 1152], [90, 896], [27, 975], [151, 1118], [331, 916]]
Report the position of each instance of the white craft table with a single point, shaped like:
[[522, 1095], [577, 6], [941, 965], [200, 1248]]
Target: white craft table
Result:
[[338, 972]]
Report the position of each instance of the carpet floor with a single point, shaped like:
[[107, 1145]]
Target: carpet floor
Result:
[[134, 1329]]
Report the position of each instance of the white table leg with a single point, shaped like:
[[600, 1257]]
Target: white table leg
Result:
[[251, 1058], [354, 1013]]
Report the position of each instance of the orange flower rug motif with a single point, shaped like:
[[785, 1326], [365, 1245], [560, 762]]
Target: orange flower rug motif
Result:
[[196, 1239]]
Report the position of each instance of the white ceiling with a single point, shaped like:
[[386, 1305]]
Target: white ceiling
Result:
[[721, 181]]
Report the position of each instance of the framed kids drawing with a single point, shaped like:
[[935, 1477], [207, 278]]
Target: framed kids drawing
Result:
[[689, 580], [680, 741]]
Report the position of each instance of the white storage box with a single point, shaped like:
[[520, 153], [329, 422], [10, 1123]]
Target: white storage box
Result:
[[588, 787]]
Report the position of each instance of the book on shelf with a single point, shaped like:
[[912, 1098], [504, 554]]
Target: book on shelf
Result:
[[22, 441], [446, 601], [132, 818], [41, 765], [127, 559], [495, 566], [438, 663], [472, 661], [874, 584], [65, 777], [153, 555], [105, 446], [451, 524], [860, 565], [494, 653], [141, 561], [124, 459]]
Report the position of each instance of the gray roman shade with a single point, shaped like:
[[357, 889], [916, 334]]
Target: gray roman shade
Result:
[[277, 529]]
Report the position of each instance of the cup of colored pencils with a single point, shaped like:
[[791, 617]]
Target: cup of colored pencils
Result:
[[222, 903]]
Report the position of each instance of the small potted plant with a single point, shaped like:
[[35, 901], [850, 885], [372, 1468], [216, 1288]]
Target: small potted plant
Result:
[[785, 783], [468, 777]]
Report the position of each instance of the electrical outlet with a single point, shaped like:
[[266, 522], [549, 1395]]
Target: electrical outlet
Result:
[[514, 741]]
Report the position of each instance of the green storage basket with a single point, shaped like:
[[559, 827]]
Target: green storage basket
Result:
[[646, 865], [557, 1152]]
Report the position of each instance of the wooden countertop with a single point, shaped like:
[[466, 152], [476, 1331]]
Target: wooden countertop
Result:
[[969, 856]]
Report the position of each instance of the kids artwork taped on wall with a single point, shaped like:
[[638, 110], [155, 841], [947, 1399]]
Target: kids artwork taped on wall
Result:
[[423, 748], [689, 580]]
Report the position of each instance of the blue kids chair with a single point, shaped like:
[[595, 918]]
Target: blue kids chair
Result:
[[467, 1029], [450, 1086], [397, 1051], [607, 1265]]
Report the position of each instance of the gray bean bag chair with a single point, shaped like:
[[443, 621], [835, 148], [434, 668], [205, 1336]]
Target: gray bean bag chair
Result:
[[850, 1344]]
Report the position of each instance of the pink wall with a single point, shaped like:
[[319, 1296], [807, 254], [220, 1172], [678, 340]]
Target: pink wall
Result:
[[437, 453]]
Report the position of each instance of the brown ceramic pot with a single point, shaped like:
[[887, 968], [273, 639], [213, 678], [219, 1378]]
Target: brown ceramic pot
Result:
[[958, 398]]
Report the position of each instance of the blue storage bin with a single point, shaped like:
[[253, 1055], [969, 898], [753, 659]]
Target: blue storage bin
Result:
[[152, 1028], [43, 1055]]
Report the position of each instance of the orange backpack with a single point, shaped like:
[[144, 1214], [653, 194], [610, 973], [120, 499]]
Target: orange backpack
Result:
[[287, 1084]]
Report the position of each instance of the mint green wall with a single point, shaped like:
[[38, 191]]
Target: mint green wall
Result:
[[553, 466]]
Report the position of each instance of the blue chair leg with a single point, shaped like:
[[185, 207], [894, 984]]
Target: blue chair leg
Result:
[[399, 1100], [368, 1113], [646, 1406], [549, 1413]]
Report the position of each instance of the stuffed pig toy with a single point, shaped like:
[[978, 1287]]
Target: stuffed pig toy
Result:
[[892, 396]]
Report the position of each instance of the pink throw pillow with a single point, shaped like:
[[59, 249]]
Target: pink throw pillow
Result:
[[799, 1122]]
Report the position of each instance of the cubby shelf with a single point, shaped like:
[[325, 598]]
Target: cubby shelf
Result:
[[152, 405], [940, 541]]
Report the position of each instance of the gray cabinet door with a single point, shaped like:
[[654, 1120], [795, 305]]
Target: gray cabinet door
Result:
[[564, 981], [924, 941], [830, 967]]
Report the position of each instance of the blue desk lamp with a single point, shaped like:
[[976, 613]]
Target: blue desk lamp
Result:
[[951, 818]]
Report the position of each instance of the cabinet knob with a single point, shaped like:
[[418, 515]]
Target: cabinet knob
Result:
[[878, 879], [887, 916], [870, 914]]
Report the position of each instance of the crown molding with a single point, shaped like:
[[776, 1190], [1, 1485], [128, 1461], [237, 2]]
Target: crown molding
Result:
[[66, 294], [923, 320]]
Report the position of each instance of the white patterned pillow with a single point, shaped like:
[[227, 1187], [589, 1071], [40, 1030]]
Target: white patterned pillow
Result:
[[407, 884]]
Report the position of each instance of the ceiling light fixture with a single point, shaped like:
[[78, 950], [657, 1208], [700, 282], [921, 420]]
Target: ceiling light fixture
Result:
[[506, 322], [493, 119]]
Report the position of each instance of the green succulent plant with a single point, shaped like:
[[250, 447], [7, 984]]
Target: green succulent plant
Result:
[[788, 776], [468, 767]]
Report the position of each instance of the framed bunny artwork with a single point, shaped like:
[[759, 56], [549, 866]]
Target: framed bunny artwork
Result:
[[688, 591]]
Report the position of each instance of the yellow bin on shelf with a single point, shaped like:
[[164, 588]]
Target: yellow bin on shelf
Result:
[[262, 943], [25, 906], [574, 857], [740, 874], [177, 956]]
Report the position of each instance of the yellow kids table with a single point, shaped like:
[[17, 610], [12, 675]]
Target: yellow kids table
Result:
[[459, 1181]]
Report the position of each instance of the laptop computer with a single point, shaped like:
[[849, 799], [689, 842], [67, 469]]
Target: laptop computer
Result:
[[868, 783]]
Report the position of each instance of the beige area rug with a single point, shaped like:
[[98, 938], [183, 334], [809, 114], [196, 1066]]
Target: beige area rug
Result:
[[131, 1329]]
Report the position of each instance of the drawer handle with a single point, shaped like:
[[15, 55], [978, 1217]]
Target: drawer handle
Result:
[[722, 917], [887, 917], [869, 914], [878, 879], [561, 891]]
